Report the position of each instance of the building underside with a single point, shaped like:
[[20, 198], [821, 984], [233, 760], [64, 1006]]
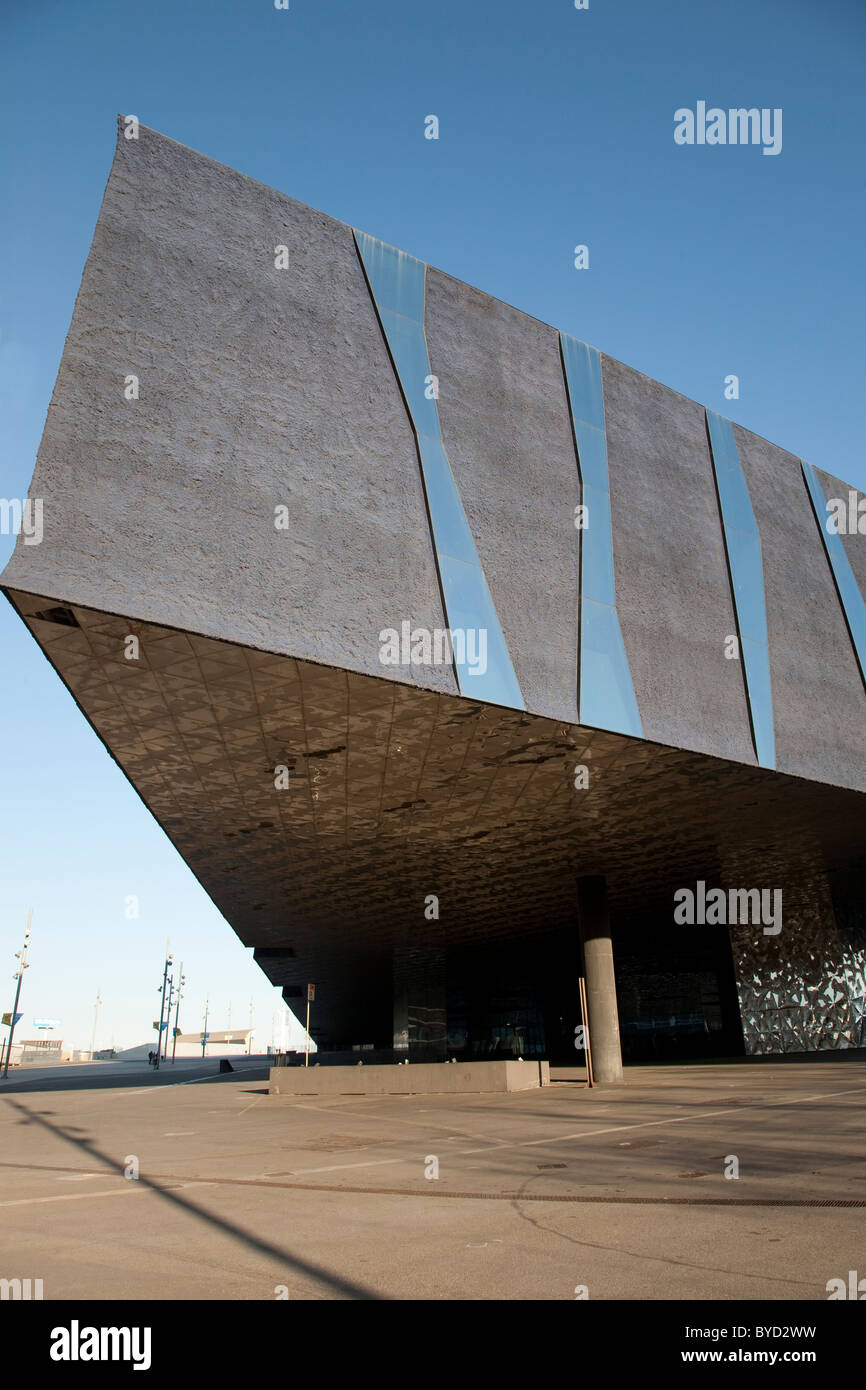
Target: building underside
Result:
[[395, 794]]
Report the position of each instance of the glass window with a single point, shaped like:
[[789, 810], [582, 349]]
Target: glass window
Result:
[[596, 569], [485, 673], [743, 546], [483, 666], [450, 526], [607, 699], [847, 587], [397, 280]]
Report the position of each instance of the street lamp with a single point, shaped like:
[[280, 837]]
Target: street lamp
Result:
[[162, 1004], [180, 985], [22, 957], [95, 1017]]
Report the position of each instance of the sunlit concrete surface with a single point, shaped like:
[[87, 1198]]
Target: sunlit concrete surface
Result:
[[244, 1195]]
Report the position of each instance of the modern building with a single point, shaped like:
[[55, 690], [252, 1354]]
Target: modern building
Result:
[[456, 658]]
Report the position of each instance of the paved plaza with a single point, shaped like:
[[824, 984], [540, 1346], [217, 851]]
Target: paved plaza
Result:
[[619, 1191]]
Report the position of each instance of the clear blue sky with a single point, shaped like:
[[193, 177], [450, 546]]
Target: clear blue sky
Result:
[[556, 128]]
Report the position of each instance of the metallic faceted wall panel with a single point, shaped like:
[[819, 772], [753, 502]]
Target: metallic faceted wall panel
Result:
[[673, 593], [606, 692], [743, 545], [849, 903], [799, 991], [397, 285], [505, 423]]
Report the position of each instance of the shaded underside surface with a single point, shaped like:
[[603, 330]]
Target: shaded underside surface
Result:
[[622, 1191], [396, 793]]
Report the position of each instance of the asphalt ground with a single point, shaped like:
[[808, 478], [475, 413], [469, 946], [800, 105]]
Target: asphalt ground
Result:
[[539, 1195]]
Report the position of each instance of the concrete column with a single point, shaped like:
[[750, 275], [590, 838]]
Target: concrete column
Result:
[[600, 980]]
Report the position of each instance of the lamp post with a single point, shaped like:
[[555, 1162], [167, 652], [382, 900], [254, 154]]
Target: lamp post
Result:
[[162, 1003], [22, 957], [204, 1033], [168, 1004], [180, 984], [95, 1017]]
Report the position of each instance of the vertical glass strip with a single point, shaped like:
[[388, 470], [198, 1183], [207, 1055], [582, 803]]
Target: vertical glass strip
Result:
[[743, 546], [607, 698], [481, 659], [847, 587]]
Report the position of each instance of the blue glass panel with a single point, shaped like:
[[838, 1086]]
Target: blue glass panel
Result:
[[397, 280], [747, 572], [484, 669], [592, 455], [583, 374], [596, 564], [409, 350], [847, 587], [470, 610], [606, 692], [743, 546], [756, 663], [450, 527], [607, 699], [733, 492]]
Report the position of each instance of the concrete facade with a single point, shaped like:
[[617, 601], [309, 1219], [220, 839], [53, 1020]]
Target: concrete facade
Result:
[[419, 860]]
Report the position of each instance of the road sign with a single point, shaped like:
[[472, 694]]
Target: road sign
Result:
[[159, 1026], [11, 1020], [311, 993], [47, 1022]]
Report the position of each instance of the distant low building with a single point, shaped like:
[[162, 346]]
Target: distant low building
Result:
[[225, 1042]]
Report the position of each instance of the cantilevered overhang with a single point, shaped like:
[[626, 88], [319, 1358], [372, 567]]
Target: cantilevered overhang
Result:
[[395, 793]]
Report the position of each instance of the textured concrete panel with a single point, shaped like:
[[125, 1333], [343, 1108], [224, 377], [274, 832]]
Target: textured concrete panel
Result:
[[819, 703], [258, 387], [507, 432], [672, 587]]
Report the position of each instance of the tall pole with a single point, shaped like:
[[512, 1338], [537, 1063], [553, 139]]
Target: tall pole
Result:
[[250, 1043], [95, 1017], [22, 957], [162, 1003], [177, 1013], [167, 1017], [204, 1034]]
